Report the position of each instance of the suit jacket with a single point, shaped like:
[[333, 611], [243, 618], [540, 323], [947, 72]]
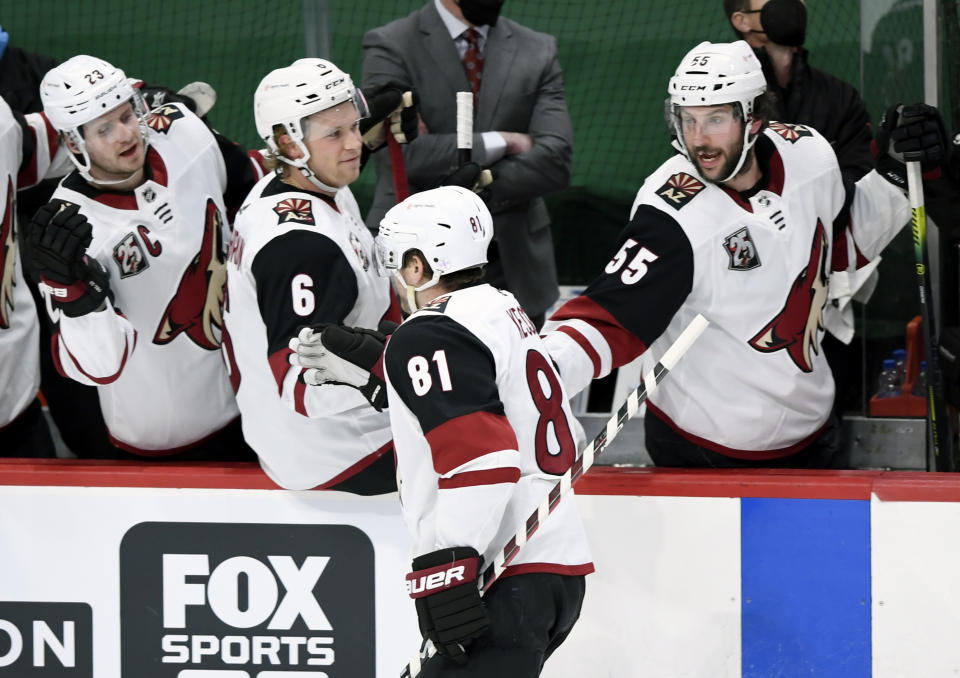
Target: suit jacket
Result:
[[521, 91]]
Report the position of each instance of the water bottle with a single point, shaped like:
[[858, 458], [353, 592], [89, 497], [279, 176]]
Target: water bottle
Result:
[[887, 386], [900, 360], [920, 384]]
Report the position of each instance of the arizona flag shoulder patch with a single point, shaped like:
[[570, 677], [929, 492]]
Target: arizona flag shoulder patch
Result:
[[790, 132], [680, 189], [297, 210]]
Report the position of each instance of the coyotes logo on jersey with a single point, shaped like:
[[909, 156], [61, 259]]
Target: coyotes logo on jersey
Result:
[[680, 189], [790, 132], [294, 209], [8, 258], [795, 328], [196, 308], [160, 119]]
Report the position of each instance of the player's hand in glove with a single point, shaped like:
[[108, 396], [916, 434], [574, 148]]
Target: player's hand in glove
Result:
[[470, 176], [913, 133], [334, 354], [393, 108], [451, 613], [58, 238]]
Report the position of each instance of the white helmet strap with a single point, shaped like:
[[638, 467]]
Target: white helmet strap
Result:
[[411, 291], [301, 163]]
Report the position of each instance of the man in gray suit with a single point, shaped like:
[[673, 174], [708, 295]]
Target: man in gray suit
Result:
[[522, 129]]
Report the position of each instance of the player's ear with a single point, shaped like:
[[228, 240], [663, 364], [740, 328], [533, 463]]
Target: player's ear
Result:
[[287, 146], [418, 267], [72, 147]]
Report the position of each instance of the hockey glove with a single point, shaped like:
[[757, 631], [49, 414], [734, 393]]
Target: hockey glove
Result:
[[451, 613], [59, 236], [389, 108], [470, 176], [334, 354], [910, 133]]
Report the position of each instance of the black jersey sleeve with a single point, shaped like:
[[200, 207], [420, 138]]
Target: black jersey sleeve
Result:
[[643, 285], [302, 278], [241, 175], [446, 377]]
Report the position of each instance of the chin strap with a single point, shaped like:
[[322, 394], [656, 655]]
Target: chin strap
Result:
[[411, 291]]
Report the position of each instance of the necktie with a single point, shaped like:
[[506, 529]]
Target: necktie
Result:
[[473, 63]]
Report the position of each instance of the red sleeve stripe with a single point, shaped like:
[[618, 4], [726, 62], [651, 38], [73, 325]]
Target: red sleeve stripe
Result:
[[457, 441], [585, 345], [53, 139], [98, 380], [393, 312], [492, 476], [299, 391], [624, 346], [280, 365], [840, 258], [55, 351], [259, 165]]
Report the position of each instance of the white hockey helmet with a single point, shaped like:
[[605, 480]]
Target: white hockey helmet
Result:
[[451, 226], [718, 73], [288, 95], [82, 89]]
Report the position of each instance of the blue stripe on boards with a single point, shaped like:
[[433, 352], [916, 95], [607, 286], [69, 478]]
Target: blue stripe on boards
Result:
[[805, 586]]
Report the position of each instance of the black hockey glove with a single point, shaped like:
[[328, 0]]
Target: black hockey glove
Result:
[[451, 613], [389, 110], [470, 176], [910, 133], [335, 354], [59, 236]]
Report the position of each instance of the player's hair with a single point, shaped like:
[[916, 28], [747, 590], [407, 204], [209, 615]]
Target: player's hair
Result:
[[270, 160], [731, 6], [450, 281]]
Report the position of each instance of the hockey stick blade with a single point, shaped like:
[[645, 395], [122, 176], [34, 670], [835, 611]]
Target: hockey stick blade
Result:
[[631, 405]]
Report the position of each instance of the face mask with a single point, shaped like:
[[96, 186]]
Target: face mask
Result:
[[481, 12], [785, 22]]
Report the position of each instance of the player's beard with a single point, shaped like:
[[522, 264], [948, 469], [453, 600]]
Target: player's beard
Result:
[[731, 158]]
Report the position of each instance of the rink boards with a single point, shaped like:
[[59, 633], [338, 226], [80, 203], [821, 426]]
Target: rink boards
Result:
[[195, 571]]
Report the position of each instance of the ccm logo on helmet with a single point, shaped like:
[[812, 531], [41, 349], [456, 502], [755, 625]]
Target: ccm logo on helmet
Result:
[[336, 82], [692, 88]]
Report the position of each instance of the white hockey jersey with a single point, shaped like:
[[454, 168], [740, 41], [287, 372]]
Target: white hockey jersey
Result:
[[301, 258], [28, 154], [757, 265], [154, 352], [482, 430]]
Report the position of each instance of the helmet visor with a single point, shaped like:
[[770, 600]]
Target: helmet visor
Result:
[[335, 120], [705, 120]]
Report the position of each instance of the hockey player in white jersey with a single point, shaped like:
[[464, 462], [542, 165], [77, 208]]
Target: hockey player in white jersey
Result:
[[482, 429], [752, 226], [130, 253], [28, 154], [301, 255]]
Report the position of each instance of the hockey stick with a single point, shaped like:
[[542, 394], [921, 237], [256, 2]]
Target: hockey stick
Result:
[[397, 166], [583, 463], [464, 127], [936, 409]]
